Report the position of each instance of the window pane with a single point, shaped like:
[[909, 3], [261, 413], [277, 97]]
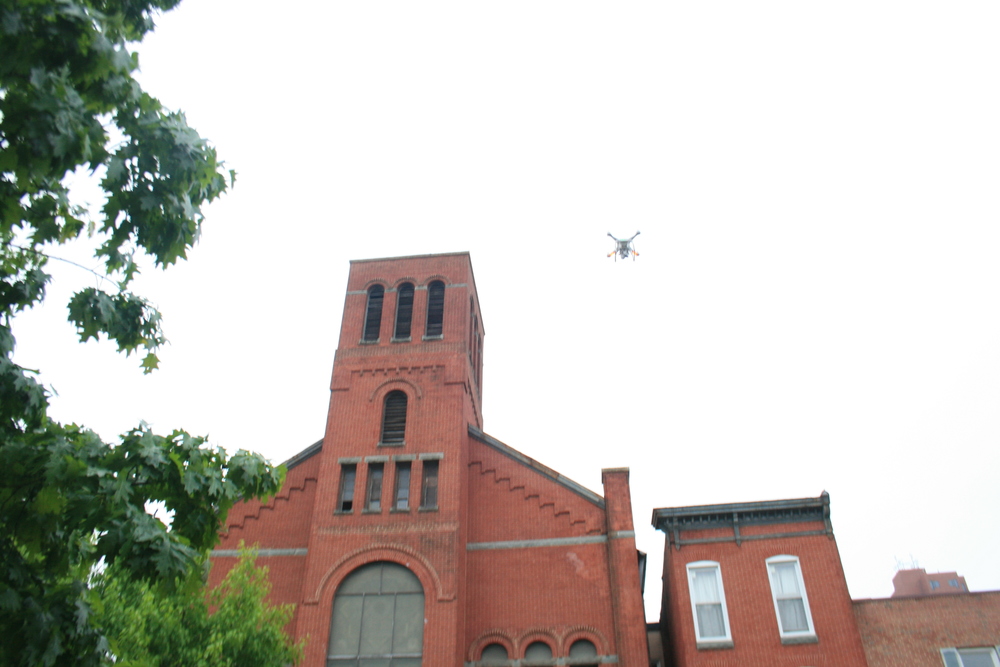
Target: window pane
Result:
[[786, 580], [793, 615], [342, 663], [374, 498], [495, 652], [402, 493], [435, 308], [346, 501], [376, 625], [977, 657], [706, 584], [363, 580], [538, 651], [406, 662], [394, 418], [345, 628], [397, 579], [408, 633], [375, 662], [951, 658], [582, 649], [373, 313], [710, 621], [404, 310], [429, 494]]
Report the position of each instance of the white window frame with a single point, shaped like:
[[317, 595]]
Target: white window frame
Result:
[[956, 655], [709, 642], [798, 636]]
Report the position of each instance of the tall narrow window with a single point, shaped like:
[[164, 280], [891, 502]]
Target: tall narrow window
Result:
[[394, 418], [401, 493], [435, 309], [373, 313], [429, 486], [345, 497], [404, 311], [790, 602], [378, 618], [373, 494], [708, 604]]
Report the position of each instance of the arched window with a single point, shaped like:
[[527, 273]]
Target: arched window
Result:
[[378, 618], [538, 653], [494, 653], [404, 311], [394, 418], [435, 309], [583, 653], [373, 313]]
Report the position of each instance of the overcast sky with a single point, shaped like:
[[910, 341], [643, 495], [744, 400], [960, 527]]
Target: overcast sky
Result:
[[815, 305]]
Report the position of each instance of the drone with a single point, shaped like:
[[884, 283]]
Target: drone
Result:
[[623, 247]]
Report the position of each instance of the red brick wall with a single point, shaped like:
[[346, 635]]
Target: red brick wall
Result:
[[909, 632], [752, 619]]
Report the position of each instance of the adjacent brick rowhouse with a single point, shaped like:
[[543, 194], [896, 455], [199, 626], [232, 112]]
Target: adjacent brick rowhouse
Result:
[[911, 631], [507, 551], [738, 543]]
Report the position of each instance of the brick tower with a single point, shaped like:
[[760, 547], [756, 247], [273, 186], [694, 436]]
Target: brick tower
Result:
[[407, 536]]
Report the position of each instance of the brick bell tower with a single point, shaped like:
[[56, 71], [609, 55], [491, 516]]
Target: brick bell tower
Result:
[[406, 382], [409, 537]]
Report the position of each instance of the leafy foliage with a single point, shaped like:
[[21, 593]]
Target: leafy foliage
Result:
[[147, 628], [68, 101]]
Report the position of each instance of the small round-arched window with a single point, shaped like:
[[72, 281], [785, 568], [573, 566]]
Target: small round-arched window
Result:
[[373, 314], [538, 653], [583, 650], [494, 654], [394, 418]]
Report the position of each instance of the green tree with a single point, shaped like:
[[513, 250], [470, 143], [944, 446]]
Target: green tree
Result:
[[68, 103], [147, 628]]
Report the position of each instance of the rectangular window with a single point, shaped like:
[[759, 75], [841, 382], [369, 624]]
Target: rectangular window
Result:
[[708, 605], [373, 496], [429, 486], [953, 583], [345, 498], [970, 657], [401, 494], [935, 584], [790, 602]]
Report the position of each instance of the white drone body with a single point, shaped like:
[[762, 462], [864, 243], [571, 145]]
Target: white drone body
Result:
[[623, 247]]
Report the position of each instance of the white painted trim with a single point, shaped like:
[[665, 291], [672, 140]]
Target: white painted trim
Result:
[[801, 635], [709, 642]]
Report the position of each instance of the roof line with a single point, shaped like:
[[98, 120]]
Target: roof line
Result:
[[540, 468], [306, 453], [434, 254]]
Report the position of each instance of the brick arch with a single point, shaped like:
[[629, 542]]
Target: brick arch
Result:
[[400, 281], [375, 281], [428, 280], [532, 635], [590, 633], [393, 553], [378, 390], [495, 636]]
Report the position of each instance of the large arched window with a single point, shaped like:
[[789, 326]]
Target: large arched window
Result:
[[394, 418], [373, 313], [404, 311], [435, 309], [378, 619]]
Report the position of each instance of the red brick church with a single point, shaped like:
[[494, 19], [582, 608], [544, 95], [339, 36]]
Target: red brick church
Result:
[[407, 536]]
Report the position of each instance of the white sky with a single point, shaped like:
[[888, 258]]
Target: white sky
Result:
[[816, 302]]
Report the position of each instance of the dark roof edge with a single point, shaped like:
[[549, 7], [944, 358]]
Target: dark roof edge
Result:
[[433, 254], [306, 453], [707, 512], [540, 468]]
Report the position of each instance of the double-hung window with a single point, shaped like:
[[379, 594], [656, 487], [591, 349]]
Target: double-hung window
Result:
[[708, 605], [985, 656], [791, 605]]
